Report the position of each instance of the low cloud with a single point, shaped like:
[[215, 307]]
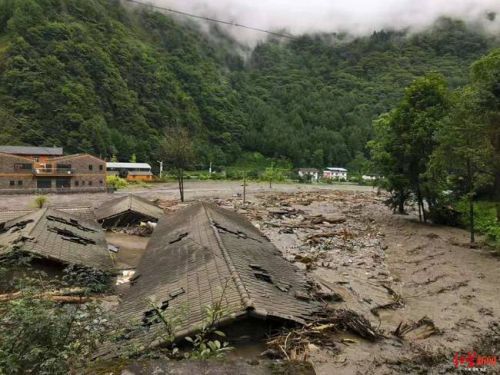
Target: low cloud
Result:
[[357, 17]]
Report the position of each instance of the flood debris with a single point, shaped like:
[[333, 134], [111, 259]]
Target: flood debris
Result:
[[129, 210], [420, 329], [203, 254], [297, 344], [57, 236]]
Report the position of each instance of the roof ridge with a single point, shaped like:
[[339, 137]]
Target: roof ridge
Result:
[[38, 219], [240, 286]]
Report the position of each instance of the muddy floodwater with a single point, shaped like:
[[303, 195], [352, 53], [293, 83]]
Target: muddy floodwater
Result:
[[131, 248], [422, 287]]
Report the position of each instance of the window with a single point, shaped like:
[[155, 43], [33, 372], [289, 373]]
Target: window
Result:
[[23, 166], [63, 166], [12, 183], [83, 183], [63, 183], [91, 167], [90, 183], [77, 183], [20, 183], [100, 182], [101, 167]]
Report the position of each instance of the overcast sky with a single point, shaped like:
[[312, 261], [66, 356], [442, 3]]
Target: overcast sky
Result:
[[355, 16]]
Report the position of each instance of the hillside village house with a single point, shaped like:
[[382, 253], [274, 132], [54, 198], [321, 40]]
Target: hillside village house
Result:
[[335, 173], [134, 171], [24, 168], [309, 174]]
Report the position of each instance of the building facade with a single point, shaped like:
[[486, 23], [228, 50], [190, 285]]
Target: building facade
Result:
[[41, 172], [309, 174], [130, 171], [335, 173]]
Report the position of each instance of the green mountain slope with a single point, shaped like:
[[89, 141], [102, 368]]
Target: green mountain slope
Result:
[[95, 76]]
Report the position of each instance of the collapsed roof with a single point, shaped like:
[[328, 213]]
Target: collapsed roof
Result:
[[12, 214], [57, 236], [127, 210], [201, 255], [83, 212]]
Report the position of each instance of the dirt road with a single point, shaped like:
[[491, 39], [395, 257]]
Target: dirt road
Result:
[[193, 190]]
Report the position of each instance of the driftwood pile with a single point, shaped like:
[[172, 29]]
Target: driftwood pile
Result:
[[420, 329], [296, 344]]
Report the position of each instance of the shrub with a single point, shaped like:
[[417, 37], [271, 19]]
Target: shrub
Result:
[[445, 215], [116, 182], [42, 337], [40, 201], [485, 220]]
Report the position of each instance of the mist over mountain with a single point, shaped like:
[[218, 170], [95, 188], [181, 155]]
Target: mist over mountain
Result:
[[357, 17], [101, 77]]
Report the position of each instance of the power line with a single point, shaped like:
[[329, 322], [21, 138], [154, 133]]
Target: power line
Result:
[[281, 35]]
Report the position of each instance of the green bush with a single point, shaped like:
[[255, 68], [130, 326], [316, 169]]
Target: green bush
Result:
[[40, 201], [116, 182], [485, 219], [42, 337]]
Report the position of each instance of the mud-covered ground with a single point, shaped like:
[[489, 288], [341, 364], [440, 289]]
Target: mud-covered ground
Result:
[[395, 271], [421, 286]]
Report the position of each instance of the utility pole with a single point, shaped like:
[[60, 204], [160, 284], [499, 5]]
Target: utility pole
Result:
[[271, 175], [244, 187], [210, 168], [161, 167]]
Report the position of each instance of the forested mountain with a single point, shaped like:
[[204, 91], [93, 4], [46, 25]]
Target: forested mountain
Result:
[[97, 76]]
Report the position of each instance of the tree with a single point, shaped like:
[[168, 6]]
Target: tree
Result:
[[389, 162], [485, 78], [133, 158], [405, 140], [463, 158], [177, 150]]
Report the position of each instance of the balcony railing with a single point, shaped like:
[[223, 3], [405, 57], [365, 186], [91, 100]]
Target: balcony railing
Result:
[[53, 171]]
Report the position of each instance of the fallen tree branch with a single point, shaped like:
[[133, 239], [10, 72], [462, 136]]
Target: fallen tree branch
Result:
[[73, 295]]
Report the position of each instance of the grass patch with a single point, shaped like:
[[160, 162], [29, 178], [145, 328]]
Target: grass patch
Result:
[[485, 220]]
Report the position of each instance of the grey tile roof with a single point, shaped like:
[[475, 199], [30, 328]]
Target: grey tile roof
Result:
[[203, 254], [128, 204], [9, 215], [31, 150], [86, 213], [57, 236]]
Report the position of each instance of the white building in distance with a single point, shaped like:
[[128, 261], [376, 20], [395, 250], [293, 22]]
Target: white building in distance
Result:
[[335, 173]]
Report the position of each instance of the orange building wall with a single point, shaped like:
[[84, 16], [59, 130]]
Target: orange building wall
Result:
[[139, 178]]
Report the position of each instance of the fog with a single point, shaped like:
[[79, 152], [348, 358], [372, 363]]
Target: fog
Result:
[[357, 17]]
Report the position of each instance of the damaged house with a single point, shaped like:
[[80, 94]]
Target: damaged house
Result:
[[58, 237], [203, 255], [127, 210]]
